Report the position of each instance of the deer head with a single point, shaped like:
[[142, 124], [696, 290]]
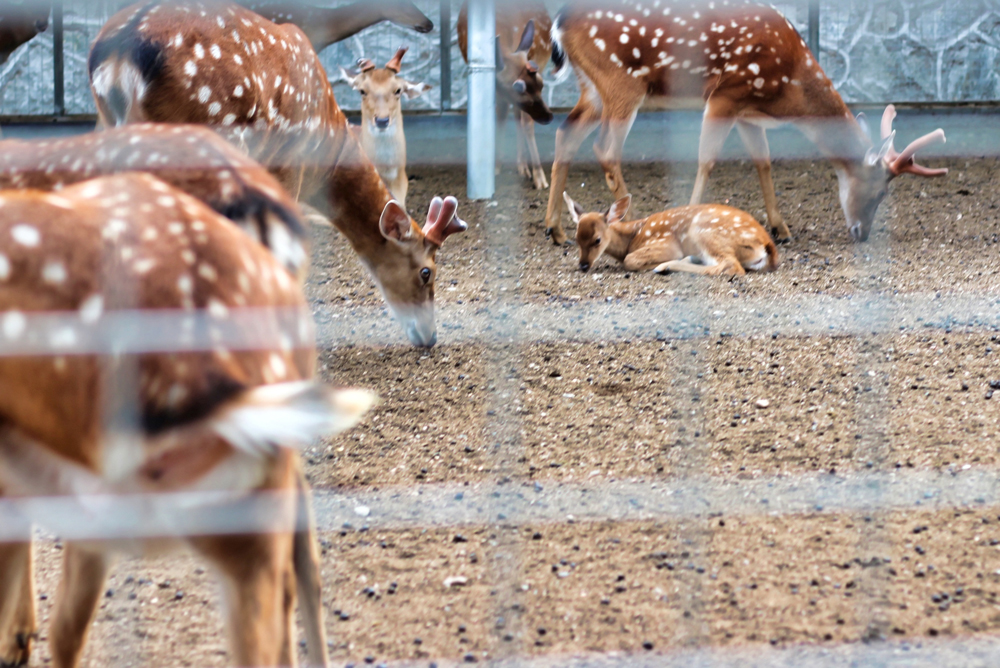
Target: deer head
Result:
[[406, 271], [19, 22], [591, 228], [518, 79], [382, 92], [864, 185]]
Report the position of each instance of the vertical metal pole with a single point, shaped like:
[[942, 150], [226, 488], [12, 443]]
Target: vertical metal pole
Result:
[[445, 26], [814, 28], [58, 63], [482, 122]]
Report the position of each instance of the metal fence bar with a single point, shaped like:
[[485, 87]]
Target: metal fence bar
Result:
[[444, 26], [58, 60], [813, 38], [482, 100]]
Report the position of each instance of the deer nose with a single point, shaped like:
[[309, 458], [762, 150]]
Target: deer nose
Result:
[[381, 123], [584, 266]]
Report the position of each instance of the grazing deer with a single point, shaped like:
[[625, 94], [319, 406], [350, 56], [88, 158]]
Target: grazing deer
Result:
[[751, 68], [20, 22], [262, 86], [381, 134], [213, 419], [189, 157], [703, 239], [523, 50], [328, 25]]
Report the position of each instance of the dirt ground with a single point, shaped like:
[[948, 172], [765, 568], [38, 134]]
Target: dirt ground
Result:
[[726, 406]]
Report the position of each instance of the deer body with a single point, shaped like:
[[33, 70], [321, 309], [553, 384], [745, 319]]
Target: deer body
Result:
[[701, 239], [524, 48], [19, 23], [212, 419], [262, 87], [743, 61], [381, 133]]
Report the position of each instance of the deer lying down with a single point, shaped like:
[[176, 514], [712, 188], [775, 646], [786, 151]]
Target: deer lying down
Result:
[[381, 133], [216, 419], [708, 239], [191, 158]]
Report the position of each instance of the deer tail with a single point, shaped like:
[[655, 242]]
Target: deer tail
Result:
[[772, 255]]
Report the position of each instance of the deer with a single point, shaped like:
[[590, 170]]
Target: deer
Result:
[[523, 50], [328, 25], [19, 23], [212, 418], [192, 158], [749, 67], [705, 239], [262, 87], [381, 133]]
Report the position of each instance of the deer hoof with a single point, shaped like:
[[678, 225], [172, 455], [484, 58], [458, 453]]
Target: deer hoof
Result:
[[558, 236], [780, 240], [19, 651]]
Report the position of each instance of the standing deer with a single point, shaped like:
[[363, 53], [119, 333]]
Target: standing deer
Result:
[[381, 133], [216, 418], [328, 25], [751, 68], [262, 86], [20, 22], [523, 50], [705, 239]]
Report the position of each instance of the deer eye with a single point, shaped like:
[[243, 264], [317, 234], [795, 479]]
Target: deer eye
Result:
[[363, 92], [425, 274], [399, 91], [597, 242]]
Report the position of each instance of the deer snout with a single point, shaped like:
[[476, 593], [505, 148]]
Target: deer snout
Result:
[[382, 123], [859, 232], [584, 267]]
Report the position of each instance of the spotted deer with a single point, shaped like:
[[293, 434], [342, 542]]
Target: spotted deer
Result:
[[706, 239], [381, 133], [523, 50], [750, 68], [262, 87], [328, 25], [191, 158], [19, 23], [211, 418]]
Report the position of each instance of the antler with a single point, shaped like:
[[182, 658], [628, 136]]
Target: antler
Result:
[[365, 64], [442, 221], [396, 64], [903, 163]]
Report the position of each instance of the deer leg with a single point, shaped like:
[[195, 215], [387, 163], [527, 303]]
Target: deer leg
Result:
[[714, 130], [728, 266], [83, 578], [608, 150], [535, 171], [755, 139], [581, 122], [651, 257], [522, 141], [307, 577], [18, 625]]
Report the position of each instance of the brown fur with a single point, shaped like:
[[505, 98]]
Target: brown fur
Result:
[[19, 23], [724, 240], [127, 242], [522, 68], [269, 93], [744, 62]]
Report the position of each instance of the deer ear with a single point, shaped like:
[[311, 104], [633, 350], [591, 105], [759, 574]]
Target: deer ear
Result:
[[413, 90], [575, 211], [350, 77], [520, 87], [876, 155], [619, 209], [863, 123], [527, 37], [395, 223]]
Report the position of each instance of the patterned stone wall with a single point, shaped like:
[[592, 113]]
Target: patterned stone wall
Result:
[[874, 50]]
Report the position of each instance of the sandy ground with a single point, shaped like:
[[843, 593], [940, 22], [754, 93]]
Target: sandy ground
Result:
[[723, 405]]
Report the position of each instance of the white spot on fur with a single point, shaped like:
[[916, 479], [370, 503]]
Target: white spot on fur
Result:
[[91, 309], [14, 324], [4, 267], [26, 235], [54, 272]]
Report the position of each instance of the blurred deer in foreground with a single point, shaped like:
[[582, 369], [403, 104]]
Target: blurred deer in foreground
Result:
[[751, 68], [327, 25], [262, 87], [523, 50], [19, 23], [381, 133], [215, 419], [706, 239]]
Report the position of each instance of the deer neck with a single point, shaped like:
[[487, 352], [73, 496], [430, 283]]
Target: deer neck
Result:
[[832, 127], [620, 236], [355, 198], [386, 149], [328, 26]]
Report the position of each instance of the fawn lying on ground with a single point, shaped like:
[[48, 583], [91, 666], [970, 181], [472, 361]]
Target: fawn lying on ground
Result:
[[709, 239]]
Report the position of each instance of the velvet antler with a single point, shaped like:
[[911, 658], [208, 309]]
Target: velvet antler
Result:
[[396, 64], [442, 221], [903, 163]]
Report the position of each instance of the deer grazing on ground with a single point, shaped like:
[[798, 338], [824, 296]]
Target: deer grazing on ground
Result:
[[523, 50], [20, 22], [381, 132], [751, 69], [328, 25], [262, 87], [211, 418], [706, 239], [191, 158]]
